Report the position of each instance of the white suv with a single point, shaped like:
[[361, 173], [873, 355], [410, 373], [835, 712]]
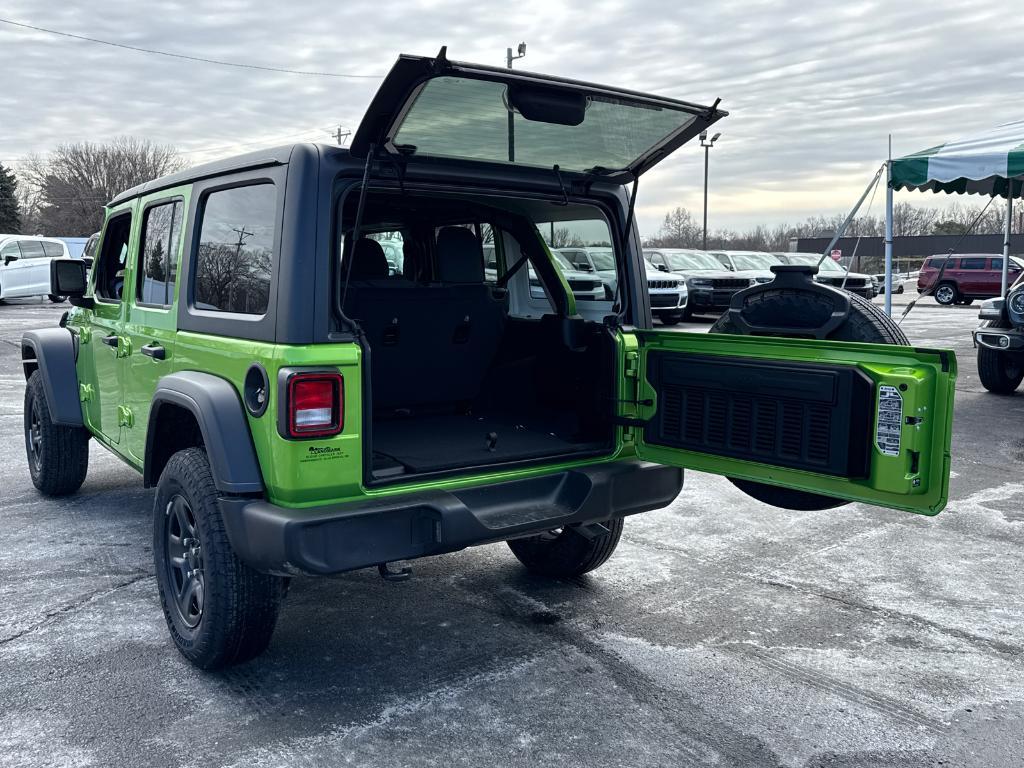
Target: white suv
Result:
[[25, 265]]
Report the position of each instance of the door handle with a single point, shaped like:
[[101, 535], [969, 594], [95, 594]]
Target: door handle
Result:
[[110, 341], [154, 350]]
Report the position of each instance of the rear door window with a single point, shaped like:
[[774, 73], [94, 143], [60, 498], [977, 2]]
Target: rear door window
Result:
[[158, 254], [973, 263], [32, 249]]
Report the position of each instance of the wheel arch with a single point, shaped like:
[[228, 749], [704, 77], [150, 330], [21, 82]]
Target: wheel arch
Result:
[[192, 408], [53, 352]]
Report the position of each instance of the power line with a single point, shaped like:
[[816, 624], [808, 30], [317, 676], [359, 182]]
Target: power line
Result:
[[201, 59]]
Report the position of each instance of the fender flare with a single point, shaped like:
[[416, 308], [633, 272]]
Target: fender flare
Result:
[[53, 351], [218, 411]]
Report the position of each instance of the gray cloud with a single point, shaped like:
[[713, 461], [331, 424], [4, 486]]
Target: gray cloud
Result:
[[813, 88]]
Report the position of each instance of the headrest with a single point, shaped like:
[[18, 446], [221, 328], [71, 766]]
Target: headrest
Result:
[[369, 261], [460, 256]]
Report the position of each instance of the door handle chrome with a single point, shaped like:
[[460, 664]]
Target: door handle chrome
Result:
[[154, 350]]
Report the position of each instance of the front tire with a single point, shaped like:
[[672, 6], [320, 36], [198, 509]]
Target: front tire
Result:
[[58, 456], [218, 610], [1000, 372], [672, 319], [566, 553], [57, 299]]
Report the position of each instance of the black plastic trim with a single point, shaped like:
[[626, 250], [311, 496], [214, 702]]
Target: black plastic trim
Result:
[[220, 414], [53, 351], [942, 354], [343, 537], [815, 417]]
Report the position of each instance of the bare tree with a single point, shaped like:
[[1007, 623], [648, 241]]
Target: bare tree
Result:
[[69, 187], [562, 237]]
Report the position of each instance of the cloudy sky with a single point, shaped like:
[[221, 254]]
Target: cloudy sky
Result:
[[813, 88]]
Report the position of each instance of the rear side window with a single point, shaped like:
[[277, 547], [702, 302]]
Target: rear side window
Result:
[[973, 263], [32, 249], [236, 250], [938, 261], [158, 254], [53, 250]]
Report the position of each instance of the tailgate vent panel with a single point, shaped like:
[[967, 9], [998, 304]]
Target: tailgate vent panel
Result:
[[797, 415]]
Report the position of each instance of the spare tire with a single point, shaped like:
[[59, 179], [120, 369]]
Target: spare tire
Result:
[[803, 311]]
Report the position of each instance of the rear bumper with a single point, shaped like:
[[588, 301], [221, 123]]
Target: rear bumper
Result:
[[343, 537]]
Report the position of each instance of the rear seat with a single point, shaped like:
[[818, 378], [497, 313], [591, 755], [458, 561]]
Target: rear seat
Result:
[[430, 344], [474, 319]]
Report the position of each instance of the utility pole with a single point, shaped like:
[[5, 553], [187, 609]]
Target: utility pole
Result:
[[340, 134], [509, 58], [707, 149]]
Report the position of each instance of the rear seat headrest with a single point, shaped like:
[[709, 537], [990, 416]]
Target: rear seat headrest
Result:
[[460, 256], [369, 261]]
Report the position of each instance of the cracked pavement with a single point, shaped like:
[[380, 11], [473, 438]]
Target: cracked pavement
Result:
[[723, 632]]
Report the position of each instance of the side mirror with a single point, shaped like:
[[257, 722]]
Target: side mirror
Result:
[[68, 278], [88, 261], [584, 267], [9, 259], [662, 267]]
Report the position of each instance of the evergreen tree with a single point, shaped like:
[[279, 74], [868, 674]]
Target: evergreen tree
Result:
[[10, 214]]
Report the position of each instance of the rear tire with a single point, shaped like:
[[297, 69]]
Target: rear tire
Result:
[[946, 294], [58, 456], [866, 322], [1000, 372], [565, 553], [218, 610]]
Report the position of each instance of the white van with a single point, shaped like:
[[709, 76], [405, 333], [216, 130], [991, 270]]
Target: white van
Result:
[[25, 265]]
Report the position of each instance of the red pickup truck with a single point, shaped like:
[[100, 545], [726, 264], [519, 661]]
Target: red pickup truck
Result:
[[967, 276]]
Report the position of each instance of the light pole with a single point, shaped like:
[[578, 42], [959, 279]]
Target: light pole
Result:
[[509, 58], [707, 149]]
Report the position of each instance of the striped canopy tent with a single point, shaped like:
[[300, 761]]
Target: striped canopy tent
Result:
[[990, 163]]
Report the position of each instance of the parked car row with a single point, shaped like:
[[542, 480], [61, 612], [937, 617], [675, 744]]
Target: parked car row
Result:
[[712, 277], [668, 295]]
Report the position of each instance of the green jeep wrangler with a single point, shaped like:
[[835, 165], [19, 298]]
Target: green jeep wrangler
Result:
[[304, 405]]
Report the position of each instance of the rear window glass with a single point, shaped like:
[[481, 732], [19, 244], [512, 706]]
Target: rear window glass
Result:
[[972, 263], [469, 118], [53, 250], [236, 250]]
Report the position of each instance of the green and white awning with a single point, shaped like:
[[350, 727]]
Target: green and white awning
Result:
[[985, 164]]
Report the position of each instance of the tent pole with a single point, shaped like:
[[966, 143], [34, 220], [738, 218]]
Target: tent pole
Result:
[[888, 232], [1006, 241]]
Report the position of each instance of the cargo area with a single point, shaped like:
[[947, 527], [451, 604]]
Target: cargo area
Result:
[[458, 376]]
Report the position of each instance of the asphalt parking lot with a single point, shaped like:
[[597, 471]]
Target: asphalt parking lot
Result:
[[723, 632]]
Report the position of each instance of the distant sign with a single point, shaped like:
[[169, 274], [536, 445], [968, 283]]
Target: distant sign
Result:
[[837, 254]]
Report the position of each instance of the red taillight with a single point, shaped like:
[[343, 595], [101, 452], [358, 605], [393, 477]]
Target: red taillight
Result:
[[316, 404]]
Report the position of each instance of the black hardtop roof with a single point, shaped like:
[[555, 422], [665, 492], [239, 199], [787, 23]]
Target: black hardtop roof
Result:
[[279, 155]]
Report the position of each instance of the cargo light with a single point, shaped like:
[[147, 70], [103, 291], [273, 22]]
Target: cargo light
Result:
[[316, 404]]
